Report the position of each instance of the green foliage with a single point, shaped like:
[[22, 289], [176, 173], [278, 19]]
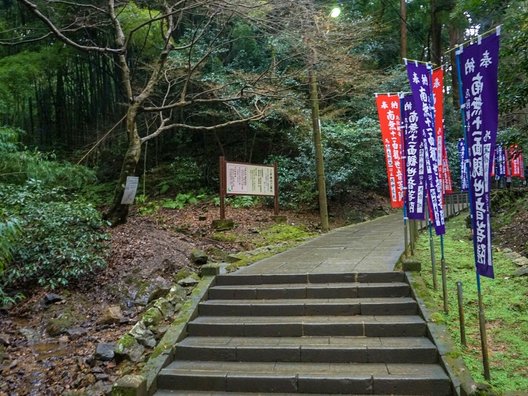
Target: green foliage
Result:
[[505, 306], [9, 232], [61, 237], [18, 165], [353, 155], [180, 175], [141, 27], [49, 234], [182, 200]]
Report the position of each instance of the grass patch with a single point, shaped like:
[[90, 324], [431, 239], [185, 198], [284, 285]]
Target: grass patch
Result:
[[271, 241], [506, 306], [284, 233]]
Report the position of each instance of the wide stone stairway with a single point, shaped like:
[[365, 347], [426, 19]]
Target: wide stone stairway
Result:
[[343, 333]]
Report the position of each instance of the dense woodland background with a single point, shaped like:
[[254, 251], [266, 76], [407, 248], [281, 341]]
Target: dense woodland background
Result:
[[161, 89]]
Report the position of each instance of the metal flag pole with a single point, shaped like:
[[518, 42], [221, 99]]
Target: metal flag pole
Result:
[[482, 317], [444, 275], [433, 258], [405, 227]]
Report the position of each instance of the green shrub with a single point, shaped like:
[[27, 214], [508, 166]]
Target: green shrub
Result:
[[353, 155], [61, 237], [18, 164]]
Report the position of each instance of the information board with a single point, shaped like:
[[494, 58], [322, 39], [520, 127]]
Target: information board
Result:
[[246, 179]]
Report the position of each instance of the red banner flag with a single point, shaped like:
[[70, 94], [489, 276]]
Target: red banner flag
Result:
[[516, 165], [447, 181], [389, 117], [438, 98]]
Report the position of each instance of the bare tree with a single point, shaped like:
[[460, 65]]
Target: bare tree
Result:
[[183, 34]]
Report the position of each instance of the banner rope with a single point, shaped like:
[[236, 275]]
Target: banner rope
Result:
[[473, 39]]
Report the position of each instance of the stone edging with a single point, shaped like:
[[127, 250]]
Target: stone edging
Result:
[[463, 383], [144, 383]]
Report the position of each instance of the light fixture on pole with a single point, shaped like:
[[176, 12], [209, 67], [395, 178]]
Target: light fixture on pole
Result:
[[336, 11]]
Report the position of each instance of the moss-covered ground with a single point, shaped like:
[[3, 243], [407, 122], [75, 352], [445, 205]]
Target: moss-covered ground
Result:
[[506, 307]]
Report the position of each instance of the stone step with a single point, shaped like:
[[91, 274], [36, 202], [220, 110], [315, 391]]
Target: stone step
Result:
[[297, 326], [330, 378], [168, 392], [309, 349], [293, 307], [368, 277], [300, 290]]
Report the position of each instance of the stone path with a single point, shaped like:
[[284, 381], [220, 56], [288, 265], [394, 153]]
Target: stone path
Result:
[[373, 246]]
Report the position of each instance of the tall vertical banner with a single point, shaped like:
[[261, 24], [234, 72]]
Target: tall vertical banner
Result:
[[420, 79], [477, 68], [389, 117], [463, 169], [414, 159], [516, 161], [438, 96], [438, 102], [447, 180]]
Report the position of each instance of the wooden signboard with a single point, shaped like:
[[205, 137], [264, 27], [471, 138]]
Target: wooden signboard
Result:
[[238, 178]]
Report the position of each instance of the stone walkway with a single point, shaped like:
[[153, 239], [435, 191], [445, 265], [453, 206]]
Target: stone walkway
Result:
[[373, 246]]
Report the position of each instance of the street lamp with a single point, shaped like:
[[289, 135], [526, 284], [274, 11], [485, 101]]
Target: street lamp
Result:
[[336, 11]]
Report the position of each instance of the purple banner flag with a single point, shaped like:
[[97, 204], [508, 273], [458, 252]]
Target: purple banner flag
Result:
[[420, 79], [477, 68], [463, 169], [414, 159]]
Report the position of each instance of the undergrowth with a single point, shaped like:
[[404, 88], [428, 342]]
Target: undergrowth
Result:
[[506, 308]]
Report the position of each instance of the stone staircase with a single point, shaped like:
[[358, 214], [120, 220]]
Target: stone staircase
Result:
[[352, 333]]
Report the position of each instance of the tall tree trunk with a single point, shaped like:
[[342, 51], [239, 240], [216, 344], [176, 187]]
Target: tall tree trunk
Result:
[[436, 35], [403, 29], [118, 213]]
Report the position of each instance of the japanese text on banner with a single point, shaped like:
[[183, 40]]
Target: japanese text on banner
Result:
[[389, 117], [420, 77], [414, 160], [478, 66]]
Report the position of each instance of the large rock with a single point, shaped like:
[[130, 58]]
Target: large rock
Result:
[[521, 261], [152, 290], [165, 307], [143, 335], [176, 295], [521, 272], [128, 348], [130, 385], [105, 351], [111, 315], [199, 257], [51, 298], [60, 324], [152, 317], [188, 281]]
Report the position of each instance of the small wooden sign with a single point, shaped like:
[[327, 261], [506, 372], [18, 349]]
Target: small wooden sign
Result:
[[130, 190]]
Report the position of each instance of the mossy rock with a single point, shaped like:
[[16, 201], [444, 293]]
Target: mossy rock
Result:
[[59, 325], [128, 348], [176, 294], [199, 257], [152, 317], [165, 307], [130, 385], [223, 225]]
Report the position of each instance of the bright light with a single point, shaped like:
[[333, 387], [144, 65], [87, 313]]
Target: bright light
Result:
[[336, 11]]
